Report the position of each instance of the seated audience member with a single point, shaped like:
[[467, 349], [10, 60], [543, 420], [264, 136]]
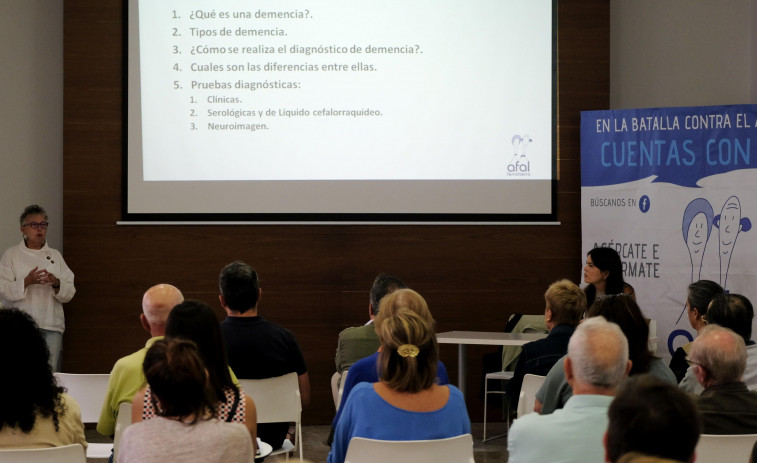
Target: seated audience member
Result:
[[185, 427], [126, 377], [596, 363], [698, 299], [366, 370], [357, 342], [718, 359], [196, 321], [258, 349], [603, 274], [623, 311], [36, 412], [565, 304], [735, 312], [651, 419], [407, 403]]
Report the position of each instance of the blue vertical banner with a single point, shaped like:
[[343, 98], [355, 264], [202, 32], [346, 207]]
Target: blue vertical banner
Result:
[[674, 191]]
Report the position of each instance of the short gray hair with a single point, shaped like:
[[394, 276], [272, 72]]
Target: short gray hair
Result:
[[34, 209], [598, 351], [721, 352]]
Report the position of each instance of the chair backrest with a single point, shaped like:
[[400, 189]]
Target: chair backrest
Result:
[[714, 448], [527, 397], [88, 390], [123, 421], [654, 340], [335, 388], [341, 388], [451, 450], [276, 399], [73, 453]]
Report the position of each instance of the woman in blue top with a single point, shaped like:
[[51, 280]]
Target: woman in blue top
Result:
[[365, 370], [406, 403]]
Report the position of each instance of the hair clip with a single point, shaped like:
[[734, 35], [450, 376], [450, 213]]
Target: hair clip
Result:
[[408, 350]]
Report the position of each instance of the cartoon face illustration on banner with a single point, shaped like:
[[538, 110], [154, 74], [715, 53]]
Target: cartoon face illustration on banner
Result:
[[696, 228], [730, 224]]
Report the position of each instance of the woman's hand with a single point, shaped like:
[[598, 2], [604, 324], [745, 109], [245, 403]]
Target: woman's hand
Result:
[[50, 279], [37, 277]]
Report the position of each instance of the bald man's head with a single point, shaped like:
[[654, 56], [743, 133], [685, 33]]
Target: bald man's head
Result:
[[156, 305]]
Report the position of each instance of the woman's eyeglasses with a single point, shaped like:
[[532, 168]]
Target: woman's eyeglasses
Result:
[[37, 225]]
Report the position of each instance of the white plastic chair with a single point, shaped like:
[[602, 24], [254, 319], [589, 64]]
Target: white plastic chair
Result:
[[527, 397], [340, 393], [278, 400], [654, 340], [89, 392], [122, 422], [503, 376], [451, 450], [73, 453], [337, 386], [716, 448], [335, 382]]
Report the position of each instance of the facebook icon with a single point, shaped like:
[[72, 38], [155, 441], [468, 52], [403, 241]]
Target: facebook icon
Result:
[[644, 204]]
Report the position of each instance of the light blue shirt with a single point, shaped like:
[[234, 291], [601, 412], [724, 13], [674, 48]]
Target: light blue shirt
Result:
[[571, 434]]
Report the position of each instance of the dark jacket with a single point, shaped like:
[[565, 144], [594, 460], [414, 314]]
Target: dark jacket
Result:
[[728, 409], [537, 358]]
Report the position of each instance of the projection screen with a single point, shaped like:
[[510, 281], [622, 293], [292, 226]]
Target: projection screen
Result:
[[340, 111]]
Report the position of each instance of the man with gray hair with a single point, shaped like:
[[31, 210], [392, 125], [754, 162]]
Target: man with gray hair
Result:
[[596, 363], [718, 359]]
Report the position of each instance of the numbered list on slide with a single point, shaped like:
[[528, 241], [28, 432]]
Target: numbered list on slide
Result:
[[312, 87]]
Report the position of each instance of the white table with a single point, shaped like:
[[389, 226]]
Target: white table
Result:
[[463, 338]]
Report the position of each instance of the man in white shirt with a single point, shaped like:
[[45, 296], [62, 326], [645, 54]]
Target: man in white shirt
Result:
[[596, 363]]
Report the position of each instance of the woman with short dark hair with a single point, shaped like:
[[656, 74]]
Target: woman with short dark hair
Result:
[[700, 293]]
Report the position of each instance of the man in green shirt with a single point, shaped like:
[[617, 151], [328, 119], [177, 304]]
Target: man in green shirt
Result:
[[127, 377]]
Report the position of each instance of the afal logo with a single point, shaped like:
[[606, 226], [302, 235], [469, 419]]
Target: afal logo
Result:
[[519, 165]]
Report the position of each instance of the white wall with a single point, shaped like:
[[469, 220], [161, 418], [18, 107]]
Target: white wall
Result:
[[31, 114], [682, 53]]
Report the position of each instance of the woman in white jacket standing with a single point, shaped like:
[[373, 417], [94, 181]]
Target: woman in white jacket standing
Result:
[[35, 278]]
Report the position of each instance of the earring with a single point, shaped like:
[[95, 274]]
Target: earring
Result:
[[26, 237]]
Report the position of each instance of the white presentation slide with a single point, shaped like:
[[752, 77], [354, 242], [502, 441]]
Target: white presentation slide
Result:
[[318, 107]]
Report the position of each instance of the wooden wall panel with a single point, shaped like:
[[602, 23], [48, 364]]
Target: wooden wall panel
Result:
[[315, 279]]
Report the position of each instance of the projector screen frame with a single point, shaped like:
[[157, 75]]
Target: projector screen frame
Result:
[[391, 218]]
